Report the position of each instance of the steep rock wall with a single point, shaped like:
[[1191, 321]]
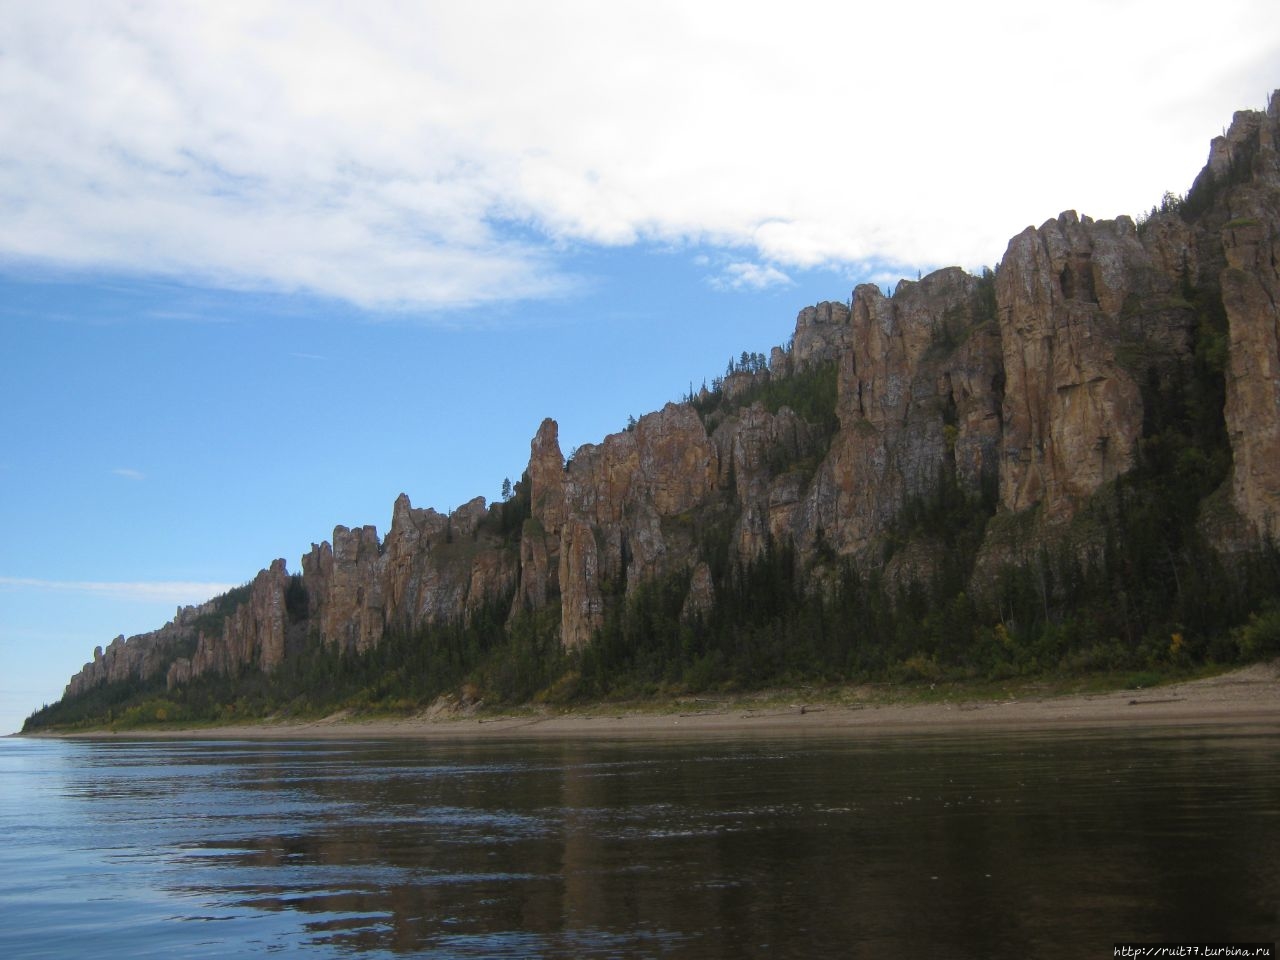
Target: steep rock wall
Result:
[[610, 506], [139, 657], [1027, 387], [1072, 414], [253, 634], [1249, 155], [918, 395]]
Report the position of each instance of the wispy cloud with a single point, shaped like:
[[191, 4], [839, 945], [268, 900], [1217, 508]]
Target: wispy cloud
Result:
[[165, 591], [129, 473], [749, 276], [438, 155]]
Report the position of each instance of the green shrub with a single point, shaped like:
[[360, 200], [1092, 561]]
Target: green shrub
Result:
[[1260, 637]]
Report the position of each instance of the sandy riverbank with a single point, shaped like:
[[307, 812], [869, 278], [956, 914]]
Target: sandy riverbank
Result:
[[1250, 696]]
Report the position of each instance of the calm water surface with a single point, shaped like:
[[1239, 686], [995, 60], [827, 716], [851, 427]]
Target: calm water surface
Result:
[[997, 845]]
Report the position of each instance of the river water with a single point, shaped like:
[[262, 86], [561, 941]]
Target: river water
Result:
[[991, 845]]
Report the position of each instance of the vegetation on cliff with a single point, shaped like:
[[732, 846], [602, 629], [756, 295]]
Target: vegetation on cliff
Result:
[[1151, 594], [1059, 467]]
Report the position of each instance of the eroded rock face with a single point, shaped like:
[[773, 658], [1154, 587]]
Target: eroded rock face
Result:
[[265, 616], [546, 477], [432, 569], [1250, 293], [1251, 297], [582, 603], [407, 582], [1025, 387], [620, 492], [1073, 413], [539, 569], [427, 566], [666, 460], [702, 594], [493, 576], [822, 334], [540, 535], [758, 452], [252, 635], [352, 613], [139, 657], [918, 395]]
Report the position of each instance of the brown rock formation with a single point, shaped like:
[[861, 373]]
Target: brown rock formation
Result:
[[702, 594], [1250, 155], [616, 496], [823, 333], [139, 657], [918, 395], [540, 535], [405, 569], [1072, 414], [546, 477], [344, 582], [1024, 387], [582, 603], [253, 634], [757, 454], [425, 578]]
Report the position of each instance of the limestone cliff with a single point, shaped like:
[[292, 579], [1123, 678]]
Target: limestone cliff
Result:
[[611, 506], [140, 657], [1028, 390], [1072, 412], [251, 635], [919, 393], [1246, 163]]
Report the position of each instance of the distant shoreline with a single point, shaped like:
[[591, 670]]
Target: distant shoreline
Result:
[[1249, 696]]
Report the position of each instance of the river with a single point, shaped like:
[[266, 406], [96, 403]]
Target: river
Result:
[[992, 845]]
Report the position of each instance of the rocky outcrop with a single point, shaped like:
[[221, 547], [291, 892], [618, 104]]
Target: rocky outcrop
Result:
[[701, 597], [761, 457], [540, 536], [1248, 155], [345, 585], [1028, 389], [252, 634], [1072, 412], [436, 567], [823, 334], [918, 396], [611, 506], [581, 597], [139, 657], [432, 568], [411, 591]]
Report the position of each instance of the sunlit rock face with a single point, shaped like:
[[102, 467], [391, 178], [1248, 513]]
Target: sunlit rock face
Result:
[[919, 395], [1251, 296], [1025, 387]]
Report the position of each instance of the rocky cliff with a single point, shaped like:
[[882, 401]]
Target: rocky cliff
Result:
[[1245, 166], [141, 656], [1029, 389]]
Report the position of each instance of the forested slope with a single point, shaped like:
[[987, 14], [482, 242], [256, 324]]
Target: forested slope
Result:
[[1069, 463]]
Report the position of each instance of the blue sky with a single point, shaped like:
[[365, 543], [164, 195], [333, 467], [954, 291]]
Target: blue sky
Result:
[[265, 266]]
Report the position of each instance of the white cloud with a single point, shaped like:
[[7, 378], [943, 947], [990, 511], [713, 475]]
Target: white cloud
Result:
[[435, 155], [129, 473], [175, 592], [749, 276]]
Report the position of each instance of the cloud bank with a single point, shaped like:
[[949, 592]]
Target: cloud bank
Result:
[[430, 156]]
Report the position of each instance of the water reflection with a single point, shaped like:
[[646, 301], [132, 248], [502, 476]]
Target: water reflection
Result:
[[994, 846]]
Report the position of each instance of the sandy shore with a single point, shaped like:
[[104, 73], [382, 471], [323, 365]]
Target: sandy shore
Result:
[[1247, 697]]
